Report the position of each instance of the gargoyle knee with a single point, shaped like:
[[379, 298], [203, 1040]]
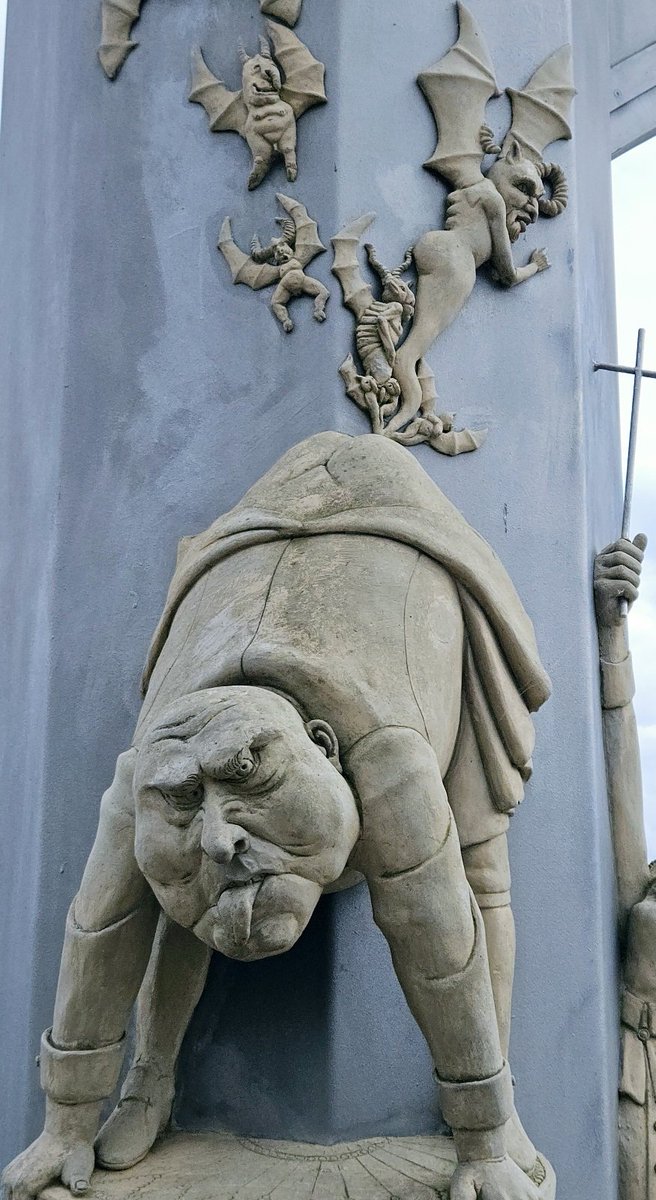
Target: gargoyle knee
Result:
[[488, 871]]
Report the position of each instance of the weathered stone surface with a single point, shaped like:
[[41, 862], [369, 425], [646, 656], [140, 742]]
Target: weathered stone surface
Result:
[[222, 1167]]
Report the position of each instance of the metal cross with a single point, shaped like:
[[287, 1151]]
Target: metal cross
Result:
[[639, 374]]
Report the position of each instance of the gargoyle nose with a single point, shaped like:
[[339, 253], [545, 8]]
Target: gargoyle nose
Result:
[[223, 842]]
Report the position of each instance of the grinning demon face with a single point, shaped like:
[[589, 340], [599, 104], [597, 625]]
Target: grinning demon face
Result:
[[260, 80], [241, 818], [519, 183]]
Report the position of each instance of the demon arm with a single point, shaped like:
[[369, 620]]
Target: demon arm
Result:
[[109, 937], [502, 263]]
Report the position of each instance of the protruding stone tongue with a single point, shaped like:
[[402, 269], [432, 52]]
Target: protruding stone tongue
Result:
[[235, 912]]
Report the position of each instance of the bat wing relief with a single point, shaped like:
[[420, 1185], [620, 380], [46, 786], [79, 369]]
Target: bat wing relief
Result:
[[118, 17], [279, 85]]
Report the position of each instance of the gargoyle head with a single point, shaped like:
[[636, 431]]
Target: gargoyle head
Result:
[[519, 182], [260, 78], [395, 289], [242, 817]]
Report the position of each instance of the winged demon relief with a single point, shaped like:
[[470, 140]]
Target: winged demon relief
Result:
[[278, 87], [282, 262], [118, 17], [486, 213], [380, 324]]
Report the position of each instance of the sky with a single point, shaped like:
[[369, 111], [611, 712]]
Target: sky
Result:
[[635, 268], [634, 179]]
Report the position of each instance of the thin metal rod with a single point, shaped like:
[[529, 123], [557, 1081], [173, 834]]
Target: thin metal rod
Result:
[[623, 370], [633, 435]]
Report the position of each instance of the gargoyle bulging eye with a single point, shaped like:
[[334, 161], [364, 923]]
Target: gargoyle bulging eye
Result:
[[187, 798]]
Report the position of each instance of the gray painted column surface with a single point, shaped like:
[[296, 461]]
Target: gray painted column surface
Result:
[[142, 394]]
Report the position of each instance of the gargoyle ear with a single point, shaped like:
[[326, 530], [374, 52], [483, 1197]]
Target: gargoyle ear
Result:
[[323, 735], [514, 152]]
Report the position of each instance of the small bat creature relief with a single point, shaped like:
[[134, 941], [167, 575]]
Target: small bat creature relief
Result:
[[380, 324], [118, 17], [485, 213], [277, 88], [282, 262]]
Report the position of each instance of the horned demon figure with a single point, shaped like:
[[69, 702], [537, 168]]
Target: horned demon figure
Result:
[[281, 262], [379, 328], [118, 17], [485, 213], [266, 109], [341, 681]]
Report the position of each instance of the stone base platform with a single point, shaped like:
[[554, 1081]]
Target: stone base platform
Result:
[[214, 1166]]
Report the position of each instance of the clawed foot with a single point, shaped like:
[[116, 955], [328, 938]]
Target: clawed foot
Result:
[[292, 172], [320, 314], [142, 1113], [288, 325]]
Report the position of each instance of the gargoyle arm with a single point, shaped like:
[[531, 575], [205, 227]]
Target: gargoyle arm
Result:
[[502, 263], [386, 339], [346, 266], [304, 74], [110, 929]]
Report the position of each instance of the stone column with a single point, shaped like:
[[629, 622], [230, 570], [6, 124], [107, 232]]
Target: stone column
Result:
[[143, 394]]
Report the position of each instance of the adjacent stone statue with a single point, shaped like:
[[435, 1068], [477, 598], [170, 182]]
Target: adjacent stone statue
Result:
[[341, 682], [617, 578]]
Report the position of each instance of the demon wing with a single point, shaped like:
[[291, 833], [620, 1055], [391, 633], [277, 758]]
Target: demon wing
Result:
[[118, 17], [541, 116], [225, 109], [457, 89], [284, 10], [307, 243], [357, 294], [242, 267], [304, 74]]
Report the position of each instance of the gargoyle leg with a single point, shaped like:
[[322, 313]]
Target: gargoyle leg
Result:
[[287, 147], [446, 277], [313, 287], [279, 302], [422, 902], [262, 157]]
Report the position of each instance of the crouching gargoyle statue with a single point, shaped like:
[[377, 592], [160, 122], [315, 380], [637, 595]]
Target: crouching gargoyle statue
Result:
[[342, 633], [265, 111], [486, 212], [118, 17], [282, 262]]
